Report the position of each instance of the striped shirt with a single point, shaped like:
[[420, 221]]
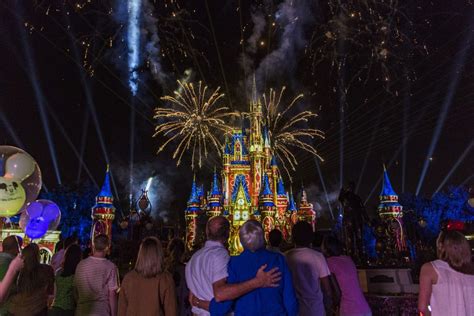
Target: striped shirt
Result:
[[93, 280]]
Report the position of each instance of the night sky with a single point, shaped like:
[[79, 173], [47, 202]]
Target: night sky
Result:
[[70, 57]]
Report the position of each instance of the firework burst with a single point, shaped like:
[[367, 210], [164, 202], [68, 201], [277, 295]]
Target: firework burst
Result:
[[195, 122], [285, 131]]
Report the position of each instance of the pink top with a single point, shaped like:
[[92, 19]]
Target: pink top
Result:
[[352, 299], [453, 294]]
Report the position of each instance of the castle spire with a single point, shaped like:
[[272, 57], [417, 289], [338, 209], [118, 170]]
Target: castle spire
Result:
[[292, 205], [389, 205], [103, 212], [266, 194], [280, 187], [215, 185], [194, 196]]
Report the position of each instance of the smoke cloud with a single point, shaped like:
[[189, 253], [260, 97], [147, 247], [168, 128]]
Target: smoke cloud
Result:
[[152, 46], [293, 17], [317, 197], [246, 58]]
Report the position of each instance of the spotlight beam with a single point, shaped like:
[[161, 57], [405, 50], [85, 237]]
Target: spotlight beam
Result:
[[71, 144], [85, 129], [133, 43], [406, 102], [456, 165], [455, 76], [372, 138], [324, 187], [32, 75], [467, 179], [8, 127], [90, 104]]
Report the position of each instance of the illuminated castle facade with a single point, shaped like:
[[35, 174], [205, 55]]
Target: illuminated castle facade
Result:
[[250, 186]]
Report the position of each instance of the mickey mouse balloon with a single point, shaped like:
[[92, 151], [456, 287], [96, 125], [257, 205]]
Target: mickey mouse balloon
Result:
[[20, 180], [41, 216]]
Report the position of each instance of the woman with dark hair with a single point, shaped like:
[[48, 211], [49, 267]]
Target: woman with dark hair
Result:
[[63, 303], [147, 289], [344, 271], [174, 264], [34, 284], [447, 284]]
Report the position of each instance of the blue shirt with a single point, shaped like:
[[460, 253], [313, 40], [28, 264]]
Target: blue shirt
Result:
[[279, 300]]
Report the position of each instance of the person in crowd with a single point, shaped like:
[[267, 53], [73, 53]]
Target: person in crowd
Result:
[[15, 266], [278, 300], [63, 303], [174, 264], [96, 281], [206, 272], [275, 237], [447, 284], [34, 284], [310, 273], [11, 246], [148, 289], [344, 272], [58, 257]]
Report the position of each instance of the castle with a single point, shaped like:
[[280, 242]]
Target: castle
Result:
[[251, 187]]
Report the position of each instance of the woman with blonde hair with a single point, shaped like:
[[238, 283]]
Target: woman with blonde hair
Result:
[[147, 289], [447, 284]]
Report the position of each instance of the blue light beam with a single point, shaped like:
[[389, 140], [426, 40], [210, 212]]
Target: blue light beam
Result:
[[324, 187], [456, 165], [455, 76], [133, 41], [32, 74]]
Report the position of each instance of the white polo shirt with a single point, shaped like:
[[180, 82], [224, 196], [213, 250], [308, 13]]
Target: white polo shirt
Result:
[[207, 265]]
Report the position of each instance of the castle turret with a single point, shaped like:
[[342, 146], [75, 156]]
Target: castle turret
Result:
[[191, 214], [266, 206], [390, 211], [215, 198], [103, 212], [389, 206], [275, 176], [305, 210]]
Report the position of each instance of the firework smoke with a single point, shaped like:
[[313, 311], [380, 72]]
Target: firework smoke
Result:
[[293, 17]]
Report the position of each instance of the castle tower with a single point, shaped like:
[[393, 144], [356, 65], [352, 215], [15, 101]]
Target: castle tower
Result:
[[103, 212], [292, 209], [305, 210], [274, 179], [192, 211], [390, 211], [266, 206], [257, 157], [215, 198], [281, 217]]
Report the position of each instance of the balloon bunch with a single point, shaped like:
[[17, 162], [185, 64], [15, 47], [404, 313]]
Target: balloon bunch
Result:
[[20, 180], [20, 184]]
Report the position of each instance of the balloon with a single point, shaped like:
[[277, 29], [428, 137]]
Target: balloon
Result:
[[40, 216], [12, 197], [36, 228], [19, 166]]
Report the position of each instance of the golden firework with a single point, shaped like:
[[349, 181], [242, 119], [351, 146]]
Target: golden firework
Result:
[[193, 120], [286, 131]]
